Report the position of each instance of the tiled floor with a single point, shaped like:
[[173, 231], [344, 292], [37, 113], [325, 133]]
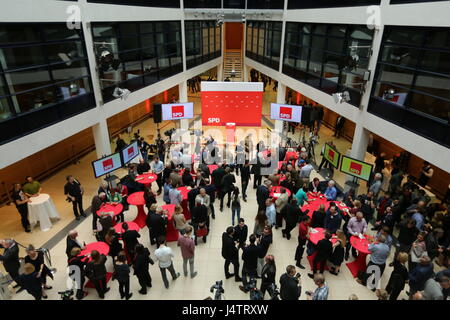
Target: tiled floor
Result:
[[208, 261]]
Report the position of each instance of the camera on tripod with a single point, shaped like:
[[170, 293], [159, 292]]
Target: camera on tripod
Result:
[[218, 286], [169, 133], [273, 292], [255, 293], [66, 295]]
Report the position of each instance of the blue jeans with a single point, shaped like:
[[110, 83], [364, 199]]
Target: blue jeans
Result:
[[235, 212]]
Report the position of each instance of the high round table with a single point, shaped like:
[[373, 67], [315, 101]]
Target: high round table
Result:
[[115, 208], [359, 264], [172, 234], [137, 199], [281, 176], [276, 191], [131, 226], [316, 201], [100, 246], [146, 179], [212, 167], [42, 209], [315, 237], [184, 204]]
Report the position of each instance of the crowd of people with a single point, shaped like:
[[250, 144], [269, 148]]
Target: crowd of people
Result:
[[406, 226]]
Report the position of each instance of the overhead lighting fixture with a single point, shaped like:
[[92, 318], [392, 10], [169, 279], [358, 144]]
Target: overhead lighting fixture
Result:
[[121, 93], [341, 97], [389, 94]]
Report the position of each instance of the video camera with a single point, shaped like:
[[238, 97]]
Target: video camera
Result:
[[218, 286], [255, 293], [169, 133], [273, 292], [66, 295]]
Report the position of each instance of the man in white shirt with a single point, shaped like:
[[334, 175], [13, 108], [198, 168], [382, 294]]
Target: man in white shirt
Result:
[[305, 172], [164, 256], [376, 185], [157, 167]]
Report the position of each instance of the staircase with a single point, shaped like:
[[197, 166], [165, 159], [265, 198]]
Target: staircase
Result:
[[232, 61]]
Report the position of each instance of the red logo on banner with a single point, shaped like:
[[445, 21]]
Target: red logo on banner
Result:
[[285, 113], [331, 154], [177, 111], [130, 151], [355, 168], [108, 164]]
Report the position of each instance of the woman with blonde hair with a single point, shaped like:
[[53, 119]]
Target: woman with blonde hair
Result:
[[30, 281], [337, 257], [36, 258], [398, 277], [260, 222], [179, 220]]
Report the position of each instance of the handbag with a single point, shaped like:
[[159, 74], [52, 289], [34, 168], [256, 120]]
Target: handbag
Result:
[[202, 231]]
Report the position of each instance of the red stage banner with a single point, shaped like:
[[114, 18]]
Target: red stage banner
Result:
[[237, 102]]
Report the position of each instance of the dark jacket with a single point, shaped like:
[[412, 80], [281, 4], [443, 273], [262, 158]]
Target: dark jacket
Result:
[[200, 214], [156, 224], [141, 262], [211, 192], [228, 181], [250, 256], [291, 213], [264, 244], [398, 277], [318, 219], [121, 272], [187, 179], [229, 249], [217, 176], [332, 223], [70, 244], [31, 283], [95, 206], [240, 234], [10, 259], [96, 271], [289, 289], [149, 199], [245, 173], [130, 239], [324, 250], [268, 273], [262, 194], [419, 275]]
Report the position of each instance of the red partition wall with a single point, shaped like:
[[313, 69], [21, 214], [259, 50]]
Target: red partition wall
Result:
[[238, 102]]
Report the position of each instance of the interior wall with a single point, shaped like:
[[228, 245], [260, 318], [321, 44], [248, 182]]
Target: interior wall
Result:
[[234, 33]]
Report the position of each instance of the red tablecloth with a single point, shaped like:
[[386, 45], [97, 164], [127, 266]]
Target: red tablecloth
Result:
[[212, 167], [274, 192], [116, 208], [137, 199], [146, 178], [184, 192], [280, 164], [359, 265], [319, 235], [131, 226], [282, 177], [172, 234], [100, 246], [317, 201], [89, 284]]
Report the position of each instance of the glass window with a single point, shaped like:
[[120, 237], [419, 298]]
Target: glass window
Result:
[[128, 29], [29, 79], [20, 57], [405, 36], [438, 61], [18, 33], [433, 84], [401, 56], [5, 111], [76, 69], [103, 31], [58, 33], [128, 43]]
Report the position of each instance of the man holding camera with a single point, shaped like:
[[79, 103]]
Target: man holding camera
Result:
[[74, 192], [291, 285]]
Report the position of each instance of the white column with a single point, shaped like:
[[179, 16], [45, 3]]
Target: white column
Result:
[[220, 71], [183, 35], [245, 71], [283, 35], [358, 152], [281, 97], [101, 138], [184, 123]]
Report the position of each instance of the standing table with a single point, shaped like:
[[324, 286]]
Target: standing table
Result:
[[115, 208], [102, 248], [42, 209], [137, 199], [316, 201], [359, 265], [146, 179], [184, 204], [131, 226]]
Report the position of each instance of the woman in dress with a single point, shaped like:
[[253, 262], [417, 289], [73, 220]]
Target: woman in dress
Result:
[[337, 257], [260, 222], [179, 219], [36, 258], [399, 276], [112, 239]]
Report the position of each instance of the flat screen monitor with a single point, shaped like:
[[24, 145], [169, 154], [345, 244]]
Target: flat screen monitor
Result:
[[331, 155], [177, 111], [356, 168], [130, 152], [285, 112], [107, 164]]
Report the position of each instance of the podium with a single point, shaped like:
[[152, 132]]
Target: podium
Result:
[[231, 132]]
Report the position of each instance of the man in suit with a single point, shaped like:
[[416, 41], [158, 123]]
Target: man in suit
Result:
[[230, 254], [73, 242], [250, 256], [245, 179], [314, 186], [291, 213], [290, 284], [10, 257], [262, 194], [217, 176], [227, 187], [192, 194], [210, 190], [156, 224], [130, 239], [97, 202], [240, 233]]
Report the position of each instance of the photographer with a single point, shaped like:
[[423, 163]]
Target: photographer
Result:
[[268, 274], [77, 261], [291, 286], [74, 192], [250, 256]]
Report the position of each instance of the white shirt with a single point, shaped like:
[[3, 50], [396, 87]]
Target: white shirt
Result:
[[164, 255]]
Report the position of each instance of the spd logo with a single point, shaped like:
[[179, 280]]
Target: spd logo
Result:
[[130, 151], [331, 154], [107, 164], [285, 113], [177, 111], [355, 168], [213, 120]]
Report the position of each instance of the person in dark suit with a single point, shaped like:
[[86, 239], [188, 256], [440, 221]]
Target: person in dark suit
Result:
[[211, 192], [318, 217], [268, 273], [324, 250], [72, 242], [186, 178], [262, 194], [141, 263], [199, 219], [156, 224], [315, 186], [230, 254], [10, 257], [130, 240], [30, 281], [97, 202], [240, 233], [290, 284], [250, 256], [256, 171], [227, 187], [245, 179], [217, 176], [194, 192], [291, 213]]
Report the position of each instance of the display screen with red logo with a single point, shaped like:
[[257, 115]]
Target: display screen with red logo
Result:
[[130, 152], [356, 168], [176, 111], [236, 102], [285, 112], [331, 155], [107, 164]]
